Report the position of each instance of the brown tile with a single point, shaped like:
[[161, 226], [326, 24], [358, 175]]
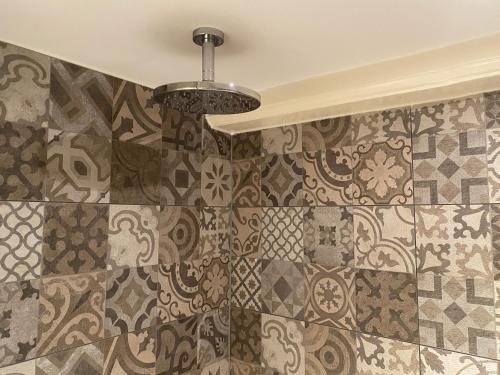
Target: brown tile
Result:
[[326, 134], [214, 283], [282, 140], [438, 361], [244, 368], [246, 225], [246, 145], [246, 283], [281, 180], [180, 181], [493, 160], [214, 232], [495, 239], [246, 183], [215, 143], [216, 182], [24, 368], [213, 336], [492, 109], [375, 127], [181, 131], [246, 335], [282, 234]]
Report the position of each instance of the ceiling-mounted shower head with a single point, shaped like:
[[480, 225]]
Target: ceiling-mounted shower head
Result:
[[207, 96]]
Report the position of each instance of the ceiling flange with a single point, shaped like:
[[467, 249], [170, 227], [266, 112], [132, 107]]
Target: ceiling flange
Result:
[[202, 34]]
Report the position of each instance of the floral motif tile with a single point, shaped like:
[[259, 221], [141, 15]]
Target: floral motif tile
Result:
[[383, 173], [25, 77], [180, 181], [135, 174], [246, 335], [216, 182], [220, 367], [213, 336], [179, 234], [493, 159], [21, 233], [131, 295], [214, 283], [136, 115], [132, 353], [246, 225], [329, 351], [330, 295], [457, 314], [378, 355], [328, 236], [181, 131], [246, 183], [382, 296], [451, 168], [282, 140], [81, 99], [283, 345], [454, 241], [23, 155], [282, 288], [244, 368], [384, 238], [75, 238], [246, 283], [176, 347], [383, 126], [215, 143], [214, 232], [71, 311], [246, 145], [439, 361], [23, 368], [281, 180], [78, 168], [326, 134], [454, 116], [495, 239], [133, 236], [282, 235], [328, 177], [492, 109], [18, 321]]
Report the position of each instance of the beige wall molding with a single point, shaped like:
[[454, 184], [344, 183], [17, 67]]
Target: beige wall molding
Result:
[[450, 72]]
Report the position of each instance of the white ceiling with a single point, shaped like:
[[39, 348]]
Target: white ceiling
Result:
[[268, 43]]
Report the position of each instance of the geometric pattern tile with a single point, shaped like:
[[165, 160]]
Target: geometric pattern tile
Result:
[[246, 283], [282, 234], [181, 131], [454, 241], [215, 143], [214, 281], [326, 134], [245, 335], [216, 182], [213, 336], [492, 109], [457, 314], [246, 231], [78, 168], [246, 145], [21, 232], [450, 168], [384, 238], [246, 183], [281, 181], [493, 155], [180, 181], [495, 239], [282, 140], [214, 232]]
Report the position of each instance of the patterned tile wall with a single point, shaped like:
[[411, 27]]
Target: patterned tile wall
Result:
[[114, 227], [369, 244]]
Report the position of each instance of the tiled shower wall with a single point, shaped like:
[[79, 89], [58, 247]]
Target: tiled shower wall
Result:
[[369, 244], [114, 227]]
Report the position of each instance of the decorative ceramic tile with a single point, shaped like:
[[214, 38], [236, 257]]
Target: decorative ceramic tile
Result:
[[245, 368], [454, 241], [214, 232], [281, 180], [18, 321], [375, 127], [75, 238], [329, 351], [330, 295], [495, 239], [328, 236], [179, 234], [282, 140], [78, 168], [214, 283], [133, 353], [246, 283], [493, 156], [23, 154], [382, 173], [136, 115], [71, 311], [215, 143], [326, 134], [178, 295], [246, 183], [131, 295], [246, 145], [181, 131], [450, 169], [328, 177], [21, 232], [384, 238], [135, 174], [133, 236], [23, 368], [282, 234], [438, 362], [180, 181], [245, 335], [24, 82], [283, 345], [220, 367], [492, 109], [216, 182], [380, 297], [454, 116], [246, 231], [377, 355], [80, 99], [457, 314], [84, 360], [282, 288], [176, 348], [213, 336]]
